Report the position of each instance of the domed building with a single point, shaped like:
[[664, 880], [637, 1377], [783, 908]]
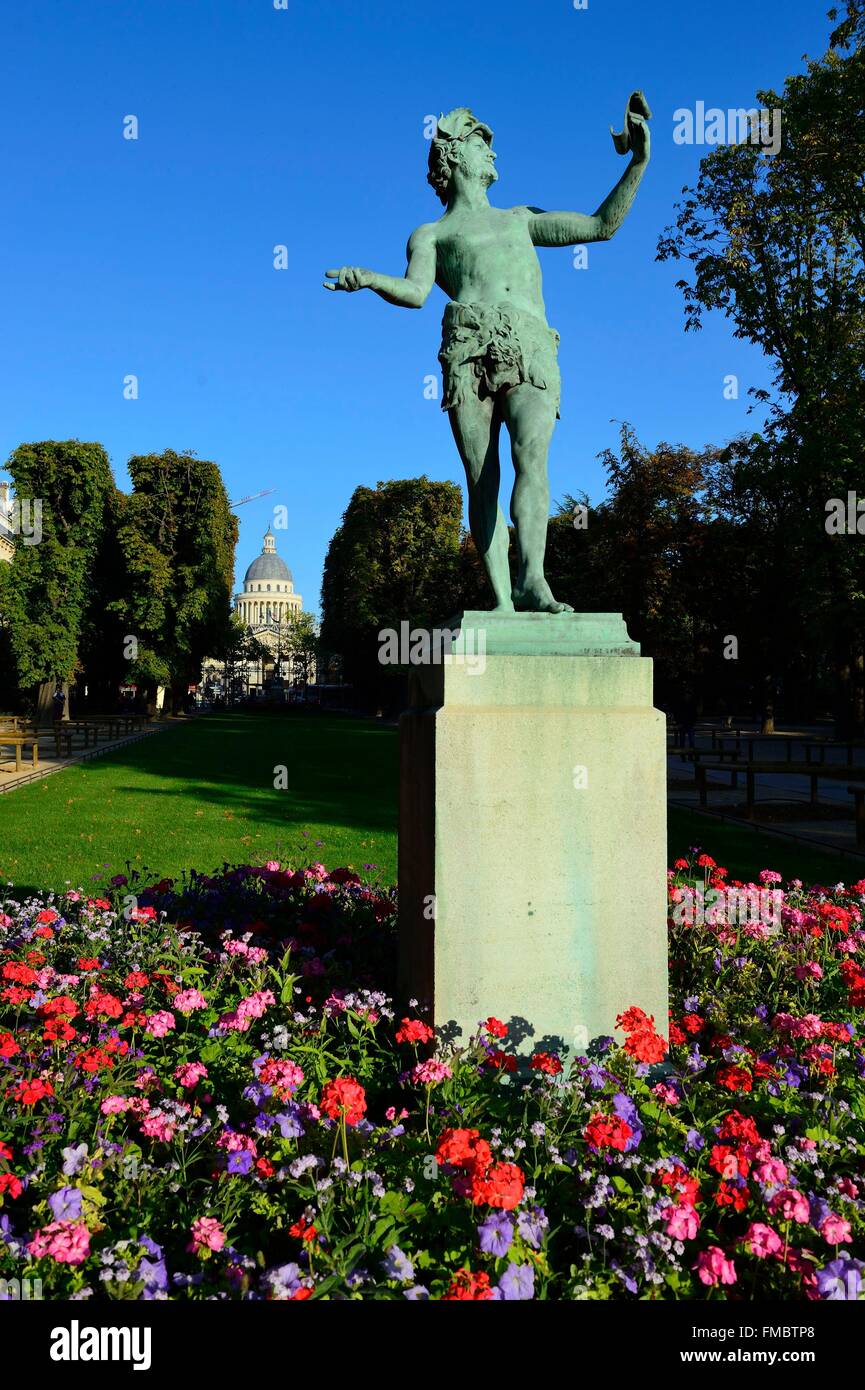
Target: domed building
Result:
[[268, 604], [268, 594]]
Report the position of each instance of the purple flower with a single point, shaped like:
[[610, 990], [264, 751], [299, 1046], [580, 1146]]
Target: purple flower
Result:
[[397, 1265], [283, 1281], [65, 1204], [517, 1283], [417, 1293], [496, 1233], [841, 1280], [239, 1162], [531, 1226], [289, 1122], [694, 1141], [627, 1110], [74, 1158]]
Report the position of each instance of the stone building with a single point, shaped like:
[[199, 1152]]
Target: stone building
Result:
[[267, 605], [7, 539]]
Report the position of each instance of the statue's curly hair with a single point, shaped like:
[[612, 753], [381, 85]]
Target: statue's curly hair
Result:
[[451, 130]]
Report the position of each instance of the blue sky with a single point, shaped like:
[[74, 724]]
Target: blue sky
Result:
[[304, 126]]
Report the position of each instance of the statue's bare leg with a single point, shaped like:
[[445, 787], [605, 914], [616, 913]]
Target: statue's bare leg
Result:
[[530, 415], [476, 425]]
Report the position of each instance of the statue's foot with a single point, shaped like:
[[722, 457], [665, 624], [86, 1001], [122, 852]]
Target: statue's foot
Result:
[[506, 606], [536, 596]]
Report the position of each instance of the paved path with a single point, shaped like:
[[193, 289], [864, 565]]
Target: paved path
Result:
[[776, 788], [49, 762]]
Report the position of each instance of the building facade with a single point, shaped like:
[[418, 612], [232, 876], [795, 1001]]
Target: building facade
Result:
[[267, 605], [7, 538]]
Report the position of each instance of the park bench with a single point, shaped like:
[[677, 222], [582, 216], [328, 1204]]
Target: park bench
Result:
[[16, 740], [796, 768], [858, 794]]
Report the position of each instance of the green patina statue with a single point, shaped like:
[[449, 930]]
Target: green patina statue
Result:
[[498, 353]]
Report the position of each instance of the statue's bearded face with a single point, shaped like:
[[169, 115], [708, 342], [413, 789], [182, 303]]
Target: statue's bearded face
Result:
[[477, 159]]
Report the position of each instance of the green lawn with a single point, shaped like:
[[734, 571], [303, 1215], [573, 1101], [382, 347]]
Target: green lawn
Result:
[[202, 793]]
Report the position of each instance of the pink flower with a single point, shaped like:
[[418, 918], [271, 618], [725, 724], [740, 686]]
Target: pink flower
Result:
[[207, 1234], [189, 999], [763, 1240], [157, 1126], [190, 1073], [429, 1072], [666, 1094], [272, 865], [159, 1024], [835, 1230], [67, 1242], [790, 1205], [772, 1172], [682, 1222], [713, 1267], [253, 1006], [114, 1105], [809, 971]]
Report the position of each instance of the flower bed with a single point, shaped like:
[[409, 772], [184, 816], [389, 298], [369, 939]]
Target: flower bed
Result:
[[206, 1094]]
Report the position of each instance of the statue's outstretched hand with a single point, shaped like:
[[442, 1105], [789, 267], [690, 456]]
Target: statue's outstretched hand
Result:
[[634, 136], [638, 128], [348, 278]]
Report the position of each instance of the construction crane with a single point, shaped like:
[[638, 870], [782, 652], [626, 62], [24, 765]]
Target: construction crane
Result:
[[252, 497]]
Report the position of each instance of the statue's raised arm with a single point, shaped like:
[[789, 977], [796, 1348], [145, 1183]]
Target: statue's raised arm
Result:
[[579, 228]]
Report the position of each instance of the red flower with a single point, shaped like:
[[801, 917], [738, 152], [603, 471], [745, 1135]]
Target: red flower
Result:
[[705, 861], [264, 1167], [344, 1096], [136, 979], [24, 974], [16, 994], [87, 963], [8, 1046], [729, 1195], [45, 933], [634, 1019], [739, 1126], [503, 1061], [496, 1028], [302, 1229], [646, 1046], [501, 1186], [413, 1030], [692, 1023], [734, 1078], [103, 1005], [9, 1183], [607, 1133], [61, 1004], [28, 1092], [467, 1286], [684, 1189], [47, 915], [57, 1030], [547, 1062], [464, 1148], [676, 1035]]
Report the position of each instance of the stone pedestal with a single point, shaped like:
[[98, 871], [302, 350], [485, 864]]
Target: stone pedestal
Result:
[[532, 842]]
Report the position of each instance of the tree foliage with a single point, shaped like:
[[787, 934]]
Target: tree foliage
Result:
[[47, 592]]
